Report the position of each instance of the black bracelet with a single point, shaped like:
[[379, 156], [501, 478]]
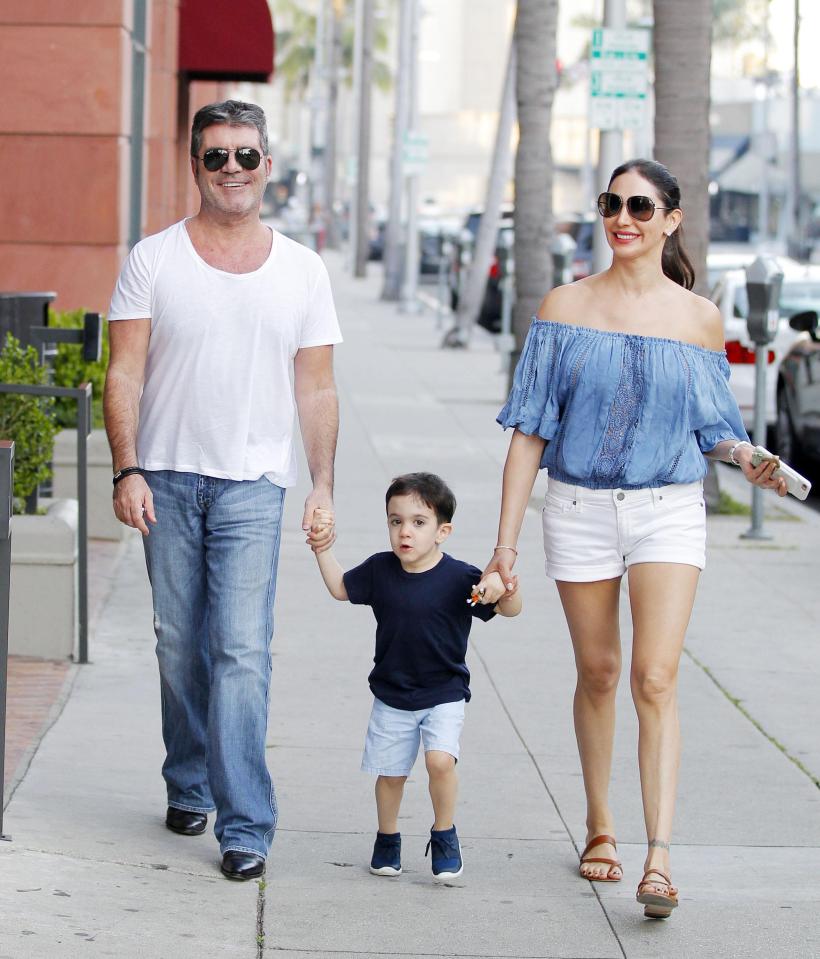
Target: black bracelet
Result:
[[126, 471]]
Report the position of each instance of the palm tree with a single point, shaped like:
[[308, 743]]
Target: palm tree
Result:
[[536, 80], [296, 45], [683, 52]]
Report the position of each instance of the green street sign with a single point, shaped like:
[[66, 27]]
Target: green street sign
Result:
[[619, 79]]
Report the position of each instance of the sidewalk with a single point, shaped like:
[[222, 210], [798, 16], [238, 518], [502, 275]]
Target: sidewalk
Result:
[[92, 871]]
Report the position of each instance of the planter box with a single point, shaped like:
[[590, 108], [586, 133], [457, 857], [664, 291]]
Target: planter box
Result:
[[102, 523], [43, 597]]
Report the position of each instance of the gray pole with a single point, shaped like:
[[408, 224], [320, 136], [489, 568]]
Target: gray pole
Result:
[[6, 497], [762, 131], [469, 304], [392, 237], [333, 60], [137, 121], [409, 301], [759, 432], [318, 105], [610, 146], [364, 46], [795, 222]]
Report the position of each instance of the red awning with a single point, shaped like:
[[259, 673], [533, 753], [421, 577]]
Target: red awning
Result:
[[226, 40]]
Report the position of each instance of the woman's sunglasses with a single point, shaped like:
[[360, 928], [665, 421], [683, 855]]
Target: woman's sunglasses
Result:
[[215, 158], [639, 207]]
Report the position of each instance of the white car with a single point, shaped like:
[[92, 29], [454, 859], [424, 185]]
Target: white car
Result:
[[800, 291]]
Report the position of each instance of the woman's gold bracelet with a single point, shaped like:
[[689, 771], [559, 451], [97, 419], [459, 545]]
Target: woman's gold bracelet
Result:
[[507, 547]]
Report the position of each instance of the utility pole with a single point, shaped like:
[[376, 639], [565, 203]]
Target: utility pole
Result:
[[318, 106], [409, 301], [470, 302], [363, 79], [333, 43], [610, 145], [392, 238], [763, 138], [795, 240]]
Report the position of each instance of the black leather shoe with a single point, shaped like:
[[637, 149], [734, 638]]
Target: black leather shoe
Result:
[[242, 865], [185, 822]]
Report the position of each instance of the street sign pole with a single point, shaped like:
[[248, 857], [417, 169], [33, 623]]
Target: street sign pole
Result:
[[619, 87]]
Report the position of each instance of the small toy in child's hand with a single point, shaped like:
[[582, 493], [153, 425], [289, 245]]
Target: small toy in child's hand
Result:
[[475, 596]]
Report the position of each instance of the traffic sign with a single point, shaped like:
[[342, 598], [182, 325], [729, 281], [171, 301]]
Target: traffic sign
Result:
[[415, 152], [619, 79]]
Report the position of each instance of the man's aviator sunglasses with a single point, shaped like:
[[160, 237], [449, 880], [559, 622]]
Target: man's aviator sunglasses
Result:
[[215, 158], [639, 207]]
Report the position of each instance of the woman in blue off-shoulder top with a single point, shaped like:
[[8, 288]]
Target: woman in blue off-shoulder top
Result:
[[621, 391]]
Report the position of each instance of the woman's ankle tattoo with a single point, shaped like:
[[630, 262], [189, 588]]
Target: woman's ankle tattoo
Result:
[[658, 844]]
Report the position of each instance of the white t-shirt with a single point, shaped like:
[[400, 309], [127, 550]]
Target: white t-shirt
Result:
[[218, 396]]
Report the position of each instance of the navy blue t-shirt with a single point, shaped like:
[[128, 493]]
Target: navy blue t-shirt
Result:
[[422, 624]]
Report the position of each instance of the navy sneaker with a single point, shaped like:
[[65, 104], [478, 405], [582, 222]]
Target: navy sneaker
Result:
[[446, 856], [386, 860]]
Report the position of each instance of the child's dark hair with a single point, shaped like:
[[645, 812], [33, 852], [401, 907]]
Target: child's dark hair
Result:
[[675, 262], [427, 487]]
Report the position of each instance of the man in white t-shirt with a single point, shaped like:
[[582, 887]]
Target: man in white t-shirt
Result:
[[209, 321]]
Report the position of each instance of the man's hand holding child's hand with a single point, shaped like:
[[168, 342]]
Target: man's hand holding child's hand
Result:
[[322, 532]]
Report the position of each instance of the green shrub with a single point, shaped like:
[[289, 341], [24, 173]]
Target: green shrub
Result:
[[71, 370], [28, 420]]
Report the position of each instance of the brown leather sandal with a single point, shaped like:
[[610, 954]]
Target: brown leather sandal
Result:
[[612, 863], [657, 905]]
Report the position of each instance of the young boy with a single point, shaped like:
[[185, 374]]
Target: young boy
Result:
[[423, 601]]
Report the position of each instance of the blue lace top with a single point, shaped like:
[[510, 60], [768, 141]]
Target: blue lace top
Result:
[[621, 410]]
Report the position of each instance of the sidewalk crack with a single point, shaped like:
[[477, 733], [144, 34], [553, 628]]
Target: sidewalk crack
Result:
[[745, 712], [260, 920]]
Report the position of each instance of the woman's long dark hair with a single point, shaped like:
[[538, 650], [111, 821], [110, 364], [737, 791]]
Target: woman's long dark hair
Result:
[[675, 262]]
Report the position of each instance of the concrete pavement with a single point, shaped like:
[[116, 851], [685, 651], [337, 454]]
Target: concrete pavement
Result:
[[92, 871]]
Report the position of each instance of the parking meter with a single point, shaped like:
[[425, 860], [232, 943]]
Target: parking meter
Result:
[[505, 341], [764, 278], [563, 251]]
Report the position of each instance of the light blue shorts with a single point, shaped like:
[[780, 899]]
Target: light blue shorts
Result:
[[393, 736]]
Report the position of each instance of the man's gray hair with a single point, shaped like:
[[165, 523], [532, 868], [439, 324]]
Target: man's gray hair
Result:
[[234, 113]]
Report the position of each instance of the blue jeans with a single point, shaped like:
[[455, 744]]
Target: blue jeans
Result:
[[212, 565]]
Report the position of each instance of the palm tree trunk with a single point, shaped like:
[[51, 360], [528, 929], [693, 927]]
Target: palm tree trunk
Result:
[[536, 79], [683, 51], [683, 56]]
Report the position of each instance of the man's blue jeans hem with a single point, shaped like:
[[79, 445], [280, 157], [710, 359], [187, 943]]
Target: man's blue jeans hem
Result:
[[255, 852], [184, 808]]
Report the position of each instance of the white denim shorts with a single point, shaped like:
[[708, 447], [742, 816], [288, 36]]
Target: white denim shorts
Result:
[[592, 534], [394, 735]]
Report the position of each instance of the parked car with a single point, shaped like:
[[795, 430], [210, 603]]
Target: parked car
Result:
[[581, 227], [798, 394], [432, 233], [800, 292], [490, 313], [723, 257]]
